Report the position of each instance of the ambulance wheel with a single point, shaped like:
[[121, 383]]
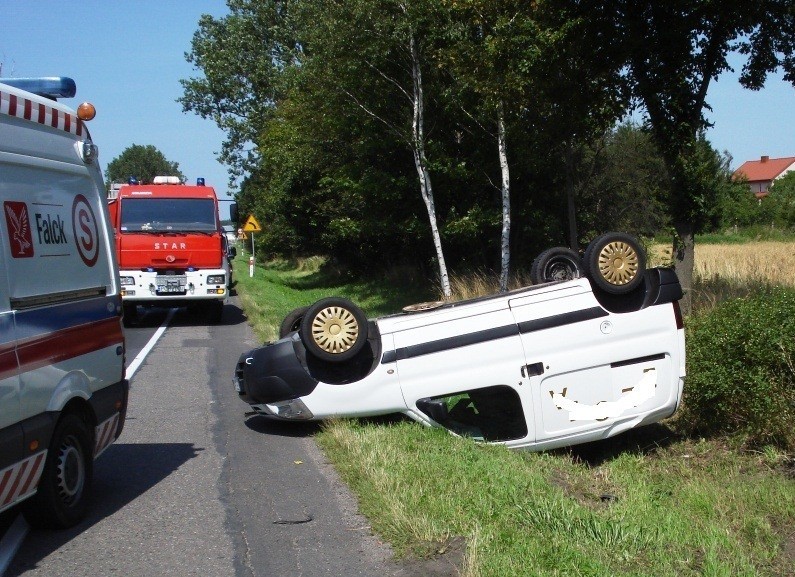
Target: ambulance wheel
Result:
[[65, 483], [615, 262], [558, 263], [334, 329], [292, 322]]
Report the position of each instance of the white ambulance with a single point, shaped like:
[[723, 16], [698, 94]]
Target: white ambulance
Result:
[[63, 395]]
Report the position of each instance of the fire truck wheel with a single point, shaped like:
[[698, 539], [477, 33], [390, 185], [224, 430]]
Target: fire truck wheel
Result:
[[558, 263], [334, 329], [65, 483], [215, 311], [615, 262], [129, 314], [292, 322]]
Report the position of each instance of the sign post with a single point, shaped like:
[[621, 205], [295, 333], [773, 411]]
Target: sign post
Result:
[[251, 226]]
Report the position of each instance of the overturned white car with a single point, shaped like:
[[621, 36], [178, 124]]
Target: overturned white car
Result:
[[553, 364]]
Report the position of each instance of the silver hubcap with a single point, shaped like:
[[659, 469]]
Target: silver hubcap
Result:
[[70, 470]]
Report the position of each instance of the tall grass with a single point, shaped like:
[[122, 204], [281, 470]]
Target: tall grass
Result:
[[766, 262], [727, 270]]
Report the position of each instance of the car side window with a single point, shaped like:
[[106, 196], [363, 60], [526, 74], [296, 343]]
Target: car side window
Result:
[[487, 414]]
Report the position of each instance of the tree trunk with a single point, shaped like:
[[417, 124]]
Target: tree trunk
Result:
[[571, 209], [421, 163], [684, 261], [505, 244]]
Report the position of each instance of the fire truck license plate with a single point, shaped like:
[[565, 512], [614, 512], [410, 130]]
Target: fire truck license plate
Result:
[[171, 284]]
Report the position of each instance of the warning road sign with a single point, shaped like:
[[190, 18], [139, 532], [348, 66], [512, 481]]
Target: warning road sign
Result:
[[251, 224]]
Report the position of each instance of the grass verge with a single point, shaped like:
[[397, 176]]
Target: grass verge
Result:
[[646, 503]]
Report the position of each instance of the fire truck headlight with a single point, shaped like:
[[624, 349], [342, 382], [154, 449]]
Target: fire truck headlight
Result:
[[127, 281], [216, 279]]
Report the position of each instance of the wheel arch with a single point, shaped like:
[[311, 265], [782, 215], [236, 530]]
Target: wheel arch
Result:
[[72, 394]]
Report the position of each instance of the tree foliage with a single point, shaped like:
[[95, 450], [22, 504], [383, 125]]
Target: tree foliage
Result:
[[672, 51], [142, 162], [318, 101]]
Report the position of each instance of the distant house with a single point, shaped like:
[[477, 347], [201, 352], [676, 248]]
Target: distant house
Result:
[[761, 173]]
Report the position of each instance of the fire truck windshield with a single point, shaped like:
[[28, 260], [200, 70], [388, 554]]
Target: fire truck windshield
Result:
[[168, 215]]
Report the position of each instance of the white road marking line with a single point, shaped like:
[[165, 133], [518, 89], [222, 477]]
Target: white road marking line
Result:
[[136, 362]]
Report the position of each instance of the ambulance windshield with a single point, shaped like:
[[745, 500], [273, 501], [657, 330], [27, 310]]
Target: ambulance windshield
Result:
[[157, 215]]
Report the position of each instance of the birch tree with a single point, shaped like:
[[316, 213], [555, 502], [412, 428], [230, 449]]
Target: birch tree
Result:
[[367, 43], [489, 54]]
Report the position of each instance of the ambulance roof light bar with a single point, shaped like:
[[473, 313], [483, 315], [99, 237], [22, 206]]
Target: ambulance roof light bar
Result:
[[52, 87]]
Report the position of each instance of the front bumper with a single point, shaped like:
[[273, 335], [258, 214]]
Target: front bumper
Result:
[[151, 287], [291, 410], [272, 376]]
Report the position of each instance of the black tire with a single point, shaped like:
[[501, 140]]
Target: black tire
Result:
[[215, 312], [334, 329], [65, 484], [129, 313], [615, 262], [556, 264], [292, 322]]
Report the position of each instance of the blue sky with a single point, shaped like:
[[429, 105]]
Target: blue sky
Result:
[[127, 58]]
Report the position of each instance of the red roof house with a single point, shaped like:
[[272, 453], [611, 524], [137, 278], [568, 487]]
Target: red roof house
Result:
[[761, 173]]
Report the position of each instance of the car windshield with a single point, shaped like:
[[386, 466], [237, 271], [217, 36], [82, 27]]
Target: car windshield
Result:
[[168, 215]]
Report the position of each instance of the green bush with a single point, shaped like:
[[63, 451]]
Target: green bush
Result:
[[740, 376]]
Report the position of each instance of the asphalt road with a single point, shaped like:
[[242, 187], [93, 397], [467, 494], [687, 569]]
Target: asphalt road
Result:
[[192, 487]]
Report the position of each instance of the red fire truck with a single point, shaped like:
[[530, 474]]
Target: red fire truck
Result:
[[170, 246]]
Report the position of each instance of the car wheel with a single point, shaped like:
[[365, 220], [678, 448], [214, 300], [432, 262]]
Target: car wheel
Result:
[[292, 322], [65, 483], [615, 262], [334, 329], [555, 264]]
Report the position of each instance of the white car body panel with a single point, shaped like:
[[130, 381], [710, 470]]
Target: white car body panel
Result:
[[551, 360]]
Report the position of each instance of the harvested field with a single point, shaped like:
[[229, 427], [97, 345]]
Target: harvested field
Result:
[[767, 262]]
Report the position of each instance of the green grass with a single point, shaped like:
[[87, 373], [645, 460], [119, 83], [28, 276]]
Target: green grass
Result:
[[689, 508], [282, 286], [645, 503]]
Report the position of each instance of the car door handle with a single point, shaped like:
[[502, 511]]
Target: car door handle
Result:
[[533, 370]]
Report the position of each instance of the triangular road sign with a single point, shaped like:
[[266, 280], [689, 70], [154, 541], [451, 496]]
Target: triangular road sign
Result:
[[251, 225]]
